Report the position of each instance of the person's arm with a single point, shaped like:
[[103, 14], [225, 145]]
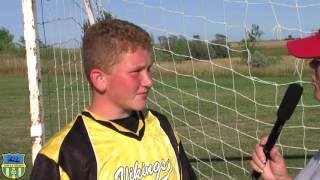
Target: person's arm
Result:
[[271, 169], [44, 168]]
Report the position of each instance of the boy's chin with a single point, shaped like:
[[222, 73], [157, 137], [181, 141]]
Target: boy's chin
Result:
[[140, 107]]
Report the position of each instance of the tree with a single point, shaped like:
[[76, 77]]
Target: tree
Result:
[[199, 49], [250, 42], [220, 37], [163, 42], [173, 41], [181, 48], [252, 37], [196, 36], [104, 16], [43, 45], [289, 37], [219, 45], [21, 42], [6, 39], [257, 58], [255, 33]]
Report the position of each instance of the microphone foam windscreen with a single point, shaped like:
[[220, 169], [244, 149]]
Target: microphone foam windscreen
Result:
[[289, 101]]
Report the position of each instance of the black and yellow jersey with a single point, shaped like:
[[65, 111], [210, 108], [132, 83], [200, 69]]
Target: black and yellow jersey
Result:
[[141, 146]]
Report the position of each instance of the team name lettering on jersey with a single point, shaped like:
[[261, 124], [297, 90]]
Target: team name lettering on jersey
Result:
[[138, 172]]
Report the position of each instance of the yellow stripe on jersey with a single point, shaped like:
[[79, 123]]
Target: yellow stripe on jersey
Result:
[[52, 148], [63, 174], [89, 148], [177, 138]]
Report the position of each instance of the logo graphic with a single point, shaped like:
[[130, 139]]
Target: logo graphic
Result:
[[157, 169], [13, 165]]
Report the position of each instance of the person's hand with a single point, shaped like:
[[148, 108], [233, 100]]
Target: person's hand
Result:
[[271, 169]]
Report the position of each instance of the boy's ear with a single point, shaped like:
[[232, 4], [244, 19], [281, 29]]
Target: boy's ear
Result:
[[99, 80]]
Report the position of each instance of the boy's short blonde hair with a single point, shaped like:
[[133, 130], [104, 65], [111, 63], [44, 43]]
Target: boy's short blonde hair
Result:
[[106, 40]]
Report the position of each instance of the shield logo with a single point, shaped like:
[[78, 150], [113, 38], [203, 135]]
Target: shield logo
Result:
[[13, 165]]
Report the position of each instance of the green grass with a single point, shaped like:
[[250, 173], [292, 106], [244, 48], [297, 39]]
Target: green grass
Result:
[[274, 51], [227, 126], [14, 115], [217, 126]]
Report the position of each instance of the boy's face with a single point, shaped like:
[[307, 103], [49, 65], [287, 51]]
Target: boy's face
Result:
[[130, 80], [315, 66]]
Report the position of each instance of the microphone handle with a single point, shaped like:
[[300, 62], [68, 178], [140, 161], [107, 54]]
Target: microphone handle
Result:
[[255, 175], [272, 139]]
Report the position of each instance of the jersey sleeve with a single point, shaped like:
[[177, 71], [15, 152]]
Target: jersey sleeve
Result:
[[44, 168], [187, 171]]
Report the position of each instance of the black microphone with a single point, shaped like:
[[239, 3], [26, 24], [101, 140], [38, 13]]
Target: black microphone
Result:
[[286, 109]]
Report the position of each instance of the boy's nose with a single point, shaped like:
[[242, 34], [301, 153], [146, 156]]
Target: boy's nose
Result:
[[147, 80]]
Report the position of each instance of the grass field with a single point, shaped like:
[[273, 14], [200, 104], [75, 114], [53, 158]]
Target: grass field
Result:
[[219, 127], [14, 118], [219, 109], [218, 139]]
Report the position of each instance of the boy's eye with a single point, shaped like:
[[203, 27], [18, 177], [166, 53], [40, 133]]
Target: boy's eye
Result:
[[136, 71]]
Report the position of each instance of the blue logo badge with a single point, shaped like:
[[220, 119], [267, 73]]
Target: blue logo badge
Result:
[[13, 165]]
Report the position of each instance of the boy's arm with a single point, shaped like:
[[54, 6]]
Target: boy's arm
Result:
[[44, 168]]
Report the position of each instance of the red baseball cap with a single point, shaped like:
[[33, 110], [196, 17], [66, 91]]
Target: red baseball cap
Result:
[[308, 47]]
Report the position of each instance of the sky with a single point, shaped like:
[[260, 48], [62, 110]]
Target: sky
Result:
[[11, 17], [60, 21]]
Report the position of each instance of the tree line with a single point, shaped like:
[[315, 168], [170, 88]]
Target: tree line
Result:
[[7, 41], [184, 49], [177, 47]]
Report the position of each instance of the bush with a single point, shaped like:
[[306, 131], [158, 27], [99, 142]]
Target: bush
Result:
[[199, 49], [220, 51], [6, 39], [259, 59]]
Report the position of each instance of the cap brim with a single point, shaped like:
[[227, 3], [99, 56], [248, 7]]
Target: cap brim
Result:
[[308, 47]]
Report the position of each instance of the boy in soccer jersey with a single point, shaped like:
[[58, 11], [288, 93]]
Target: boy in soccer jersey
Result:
[[115, 137], [275, 167]]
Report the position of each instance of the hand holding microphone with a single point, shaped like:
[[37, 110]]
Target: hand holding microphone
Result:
[[286, 109]]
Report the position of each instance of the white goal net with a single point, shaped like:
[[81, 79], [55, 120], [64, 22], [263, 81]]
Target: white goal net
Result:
[[220, 71]]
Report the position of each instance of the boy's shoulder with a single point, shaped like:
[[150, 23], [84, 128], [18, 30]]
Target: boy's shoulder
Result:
[[158, 115], [69, 149], [165, 124], [163, 120], [52, 148]]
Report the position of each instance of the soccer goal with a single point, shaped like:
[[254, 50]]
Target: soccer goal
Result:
[[220, 71]]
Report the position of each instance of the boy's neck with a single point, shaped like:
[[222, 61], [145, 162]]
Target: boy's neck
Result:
[[107, 111]]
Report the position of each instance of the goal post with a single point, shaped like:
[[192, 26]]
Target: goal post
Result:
[[32, 41], [220, 71], [34, 76], [89, 11]]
